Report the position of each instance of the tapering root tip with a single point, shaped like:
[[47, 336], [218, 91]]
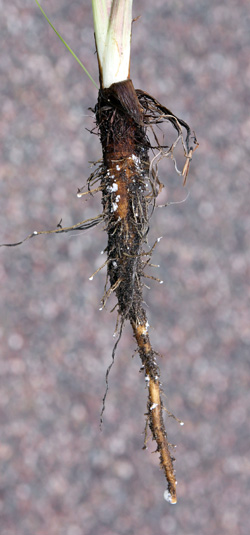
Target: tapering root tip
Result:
[[155, 406], [169, 497]]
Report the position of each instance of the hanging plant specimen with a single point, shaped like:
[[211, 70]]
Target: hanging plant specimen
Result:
[[128, 179]]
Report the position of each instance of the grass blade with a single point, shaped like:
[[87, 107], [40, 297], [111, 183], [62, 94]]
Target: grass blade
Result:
[[67, 46]]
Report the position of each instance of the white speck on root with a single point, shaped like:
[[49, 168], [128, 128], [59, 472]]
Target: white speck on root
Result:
[[145, 328], [153, 406], [147, 378], [136, 159], [35, 232], [114, 264], [159, 239], [118, 167], [114, 207], [168, 497], [79, 195], [91, 278], [161, 282], [108, 174], [181, 423], [112, 188]]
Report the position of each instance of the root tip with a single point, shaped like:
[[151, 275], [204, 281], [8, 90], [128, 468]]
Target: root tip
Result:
[[169, 497]]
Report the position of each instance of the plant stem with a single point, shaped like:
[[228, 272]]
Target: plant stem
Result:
[[112, 25]]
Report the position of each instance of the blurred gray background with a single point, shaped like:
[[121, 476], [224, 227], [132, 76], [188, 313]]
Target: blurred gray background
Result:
[[59, 474]]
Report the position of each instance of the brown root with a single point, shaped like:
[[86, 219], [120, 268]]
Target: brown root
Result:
[[130, 185], [155, 406]]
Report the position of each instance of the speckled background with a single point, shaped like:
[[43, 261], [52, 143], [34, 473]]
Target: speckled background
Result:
[[59, 474]]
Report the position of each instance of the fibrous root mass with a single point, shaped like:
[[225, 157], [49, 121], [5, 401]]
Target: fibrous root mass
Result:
[[129, 183]]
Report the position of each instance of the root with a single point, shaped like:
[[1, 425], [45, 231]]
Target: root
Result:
[[123, 116], [155, 406], [130, 184], [109, 292], [108, 372], [83, 225]]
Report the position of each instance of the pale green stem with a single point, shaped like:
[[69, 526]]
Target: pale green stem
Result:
[[112, 25]]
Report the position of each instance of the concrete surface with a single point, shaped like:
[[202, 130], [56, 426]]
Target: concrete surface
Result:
[[59, 474]]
